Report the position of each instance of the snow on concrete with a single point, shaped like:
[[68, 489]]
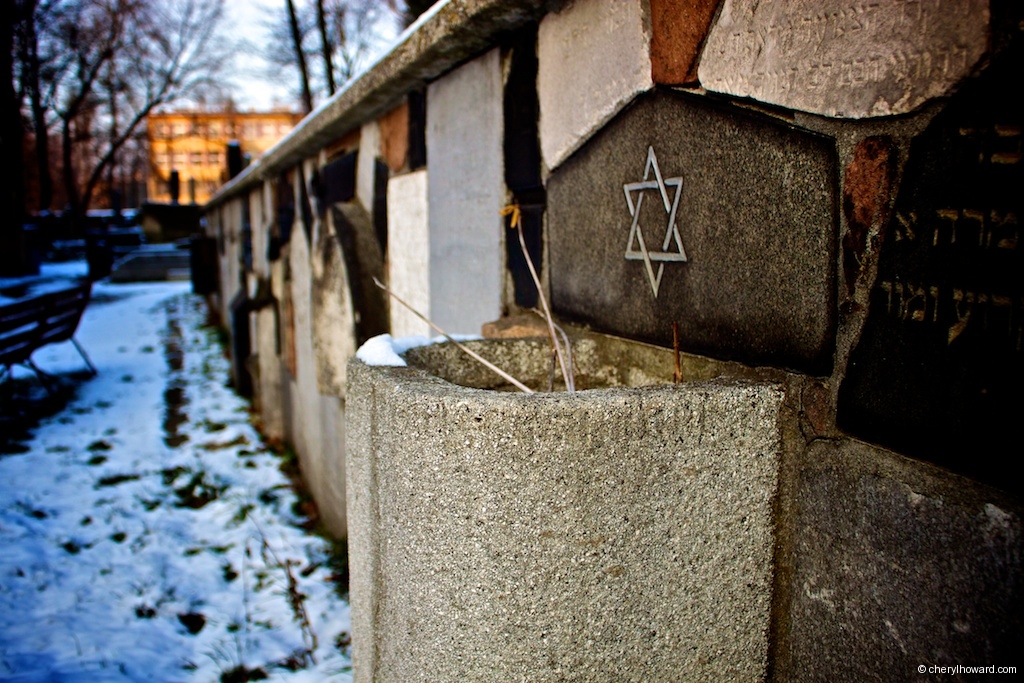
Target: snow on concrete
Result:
[[385, 350], [147, 532]]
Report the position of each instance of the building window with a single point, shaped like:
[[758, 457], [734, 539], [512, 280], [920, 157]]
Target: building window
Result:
[[215, 158], [214, 128], [179, 128], [283, 128], [162, 159], [197, 158], [179, 159]]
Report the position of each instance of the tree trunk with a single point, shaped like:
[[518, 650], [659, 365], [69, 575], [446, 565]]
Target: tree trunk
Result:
[[74, 212], [307, 94], [14, 254], [325, 46]]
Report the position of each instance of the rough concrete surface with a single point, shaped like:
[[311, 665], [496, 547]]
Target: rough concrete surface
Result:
[[611, 535], [593, 58], [465, 194], [844, 60], [899, 564]]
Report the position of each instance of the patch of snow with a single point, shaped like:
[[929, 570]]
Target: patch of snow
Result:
[[148, 533], [387, 351]]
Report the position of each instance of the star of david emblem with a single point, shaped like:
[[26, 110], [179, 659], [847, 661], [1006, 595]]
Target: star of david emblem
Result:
[[671, 247]]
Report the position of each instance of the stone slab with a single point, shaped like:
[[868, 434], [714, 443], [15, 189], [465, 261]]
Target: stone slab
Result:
[[899, 565], [465, 195], [939, 367], [851, 60], [755, 219], [332, 314], [507, 537], [369, 151], [408, 253], [593, 59]]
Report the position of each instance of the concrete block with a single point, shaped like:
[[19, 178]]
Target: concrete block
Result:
[[408, 252], [878, 59], [899, 565], [593, 59], [465, 194], [617, 534]]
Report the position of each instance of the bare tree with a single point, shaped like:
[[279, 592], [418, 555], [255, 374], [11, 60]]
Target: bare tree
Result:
[[94, 69], [339, 34], [325, 46], [12, 195], [300, 56]]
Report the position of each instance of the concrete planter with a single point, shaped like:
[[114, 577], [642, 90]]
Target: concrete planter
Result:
[[621, 534]]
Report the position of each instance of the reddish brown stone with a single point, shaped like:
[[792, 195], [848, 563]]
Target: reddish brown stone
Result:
[[394, 137], [343, 145], [678, 30], [817, 407], [867, 187]]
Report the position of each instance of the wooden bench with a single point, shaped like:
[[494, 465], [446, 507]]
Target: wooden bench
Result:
[[31, 323]]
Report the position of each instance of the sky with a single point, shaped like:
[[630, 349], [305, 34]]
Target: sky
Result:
[[253, 88]]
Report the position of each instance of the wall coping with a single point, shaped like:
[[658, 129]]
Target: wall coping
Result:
[[448, 34]]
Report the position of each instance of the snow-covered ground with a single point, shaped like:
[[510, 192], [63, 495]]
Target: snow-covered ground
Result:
[[146, 532]]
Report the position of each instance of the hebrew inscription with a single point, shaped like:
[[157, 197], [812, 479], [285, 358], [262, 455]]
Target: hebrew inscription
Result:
[[938, 371], [846, 60]]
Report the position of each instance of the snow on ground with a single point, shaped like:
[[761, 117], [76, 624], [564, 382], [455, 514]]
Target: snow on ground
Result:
[[147, 532]]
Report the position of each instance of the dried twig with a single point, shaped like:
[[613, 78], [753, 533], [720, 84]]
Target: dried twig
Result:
[[677, 374], [517, 224], [296, 598], [462, 347]]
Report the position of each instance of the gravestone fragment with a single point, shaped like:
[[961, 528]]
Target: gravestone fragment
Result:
[[939, 367], [852, 60], [713, 218]]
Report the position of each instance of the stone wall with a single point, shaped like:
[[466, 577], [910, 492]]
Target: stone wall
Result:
[[819, 204]]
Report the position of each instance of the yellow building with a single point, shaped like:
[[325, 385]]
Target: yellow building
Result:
[[194, 143]]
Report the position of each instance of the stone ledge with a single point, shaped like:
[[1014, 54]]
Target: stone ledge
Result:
[[458, 31]]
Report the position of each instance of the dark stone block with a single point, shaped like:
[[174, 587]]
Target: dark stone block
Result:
[[339, 180], [899, 565], [756, 219], [938, 371], [364, 261], [521, 147]]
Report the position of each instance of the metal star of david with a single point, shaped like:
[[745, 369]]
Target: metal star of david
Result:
[[636, 233]]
